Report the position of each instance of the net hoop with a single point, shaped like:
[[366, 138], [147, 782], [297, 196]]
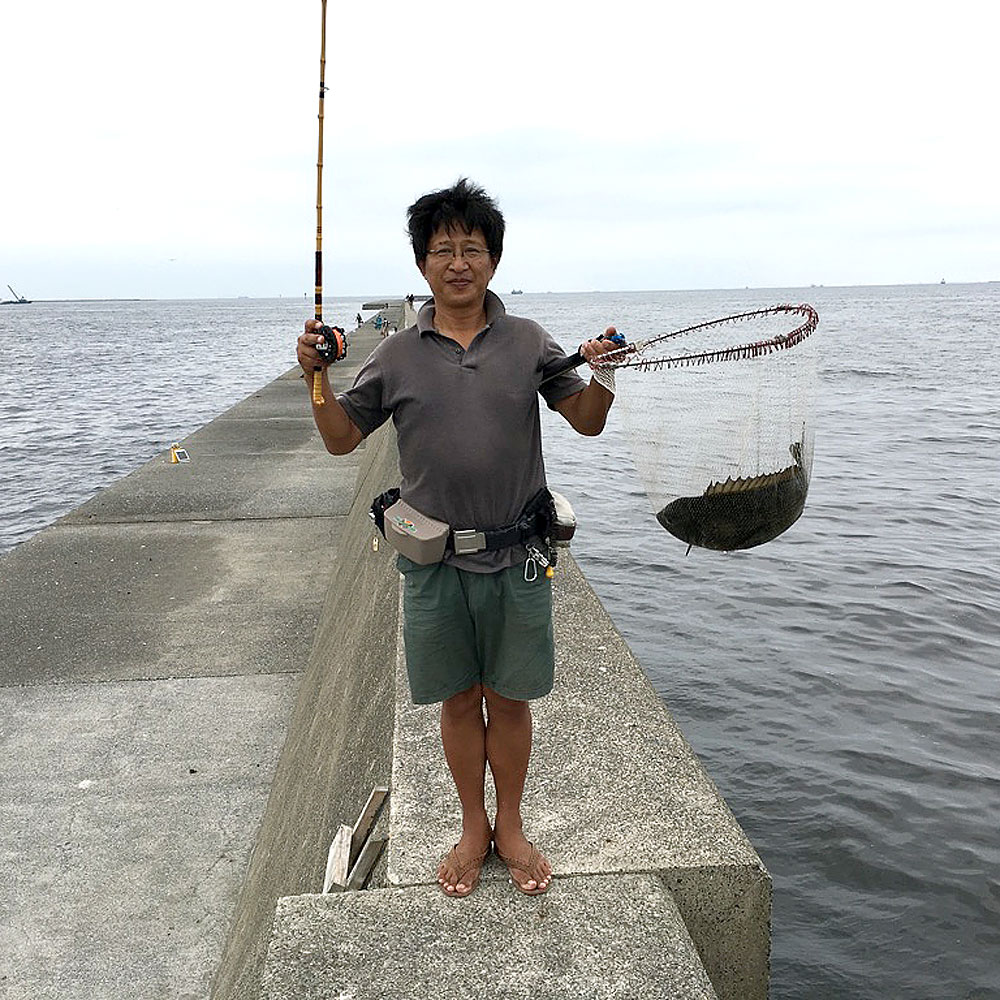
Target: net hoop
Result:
[[630, 356]]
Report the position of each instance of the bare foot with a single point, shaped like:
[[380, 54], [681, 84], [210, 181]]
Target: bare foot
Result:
[[529, 870], [458, 873]]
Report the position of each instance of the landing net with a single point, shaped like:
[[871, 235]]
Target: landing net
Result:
[[723, 441]]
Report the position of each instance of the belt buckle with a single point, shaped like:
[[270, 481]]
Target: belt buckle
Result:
[[468, 541]]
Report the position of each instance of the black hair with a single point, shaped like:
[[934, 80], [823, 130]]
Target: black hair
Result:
[[465, 205]]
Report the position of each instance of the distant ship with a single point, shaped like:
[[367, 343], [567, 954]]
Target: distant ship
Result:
[[18, 300], [516, 291]]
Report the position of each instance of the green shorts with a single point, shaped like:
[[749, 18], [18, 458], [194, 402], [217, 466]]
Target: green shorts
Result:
[[462, 628]]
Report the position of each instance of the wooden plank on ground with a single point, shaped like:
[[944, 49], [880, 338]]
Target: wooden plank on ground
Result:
[[338, 861], [366, 862], [366, 821]]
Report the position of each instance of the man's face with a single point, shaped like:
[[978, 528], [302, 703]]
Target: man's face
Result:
[[457, 281]]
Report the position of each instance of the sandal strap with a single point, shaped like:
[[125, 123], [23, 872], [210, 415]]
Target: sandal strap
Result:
[[522, 864], [464, 865]]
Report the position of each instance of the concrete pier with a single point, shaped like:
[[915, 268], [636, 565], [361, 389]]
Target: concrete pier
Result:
[[202, 679]]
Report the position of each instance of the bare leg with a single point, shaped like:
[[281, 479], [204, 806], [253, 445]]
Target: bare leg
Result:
[[508, 749], [463, 735]]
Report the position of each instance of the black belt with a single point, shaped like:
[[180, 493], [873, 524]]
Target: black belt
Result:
[[535, 522]]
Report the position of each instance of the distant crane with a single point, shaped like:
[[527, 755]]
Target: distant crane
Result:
[[18, 300]]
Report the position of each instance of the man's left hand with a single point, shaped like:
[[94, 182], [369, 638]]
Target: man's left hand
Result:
[[593, 349]]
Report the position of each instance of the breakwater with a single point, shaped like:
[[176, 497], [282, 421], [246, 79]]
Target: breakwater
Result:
[[202, 683]]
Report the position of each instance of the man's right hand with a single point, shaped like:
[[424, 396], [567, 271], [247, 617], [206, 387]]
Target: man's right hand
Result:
[[335, 427], [306, 352]]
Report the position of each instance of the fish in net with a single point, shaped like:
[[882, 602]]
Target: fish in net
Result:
[[718, 416], [740, 513]]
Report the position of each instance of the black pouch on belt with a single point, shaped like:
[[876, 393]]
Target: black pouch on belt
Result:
[[380, 505]]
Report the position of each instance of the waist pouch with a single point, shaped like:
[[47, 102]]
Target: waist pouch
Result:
[[425, 540]]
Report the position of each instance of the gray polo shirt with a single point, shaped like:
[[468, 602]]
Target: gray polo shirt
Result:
[[470, 442]]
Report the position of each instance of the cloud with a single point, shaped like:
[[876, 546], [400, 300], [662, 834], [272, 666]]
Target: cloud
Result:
[[631, 147]]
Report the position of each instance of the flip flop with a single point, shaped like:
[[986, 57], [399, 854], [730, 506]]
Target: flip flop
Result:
[[525, 865], [463, 866]]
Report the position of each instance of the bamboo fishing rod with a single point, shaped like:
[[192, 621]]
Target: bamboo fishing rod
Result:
[[334, 347]]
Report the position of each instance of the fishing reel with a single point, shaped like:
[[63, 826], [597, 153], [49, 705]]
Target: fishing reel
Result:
[[334, 346]]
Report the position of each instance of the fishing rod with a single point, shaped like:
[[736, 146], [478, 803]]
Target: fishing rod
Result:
[[334, 346]]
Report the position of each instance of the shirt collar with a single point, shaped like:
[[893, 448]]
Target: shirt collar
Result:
[[493, 305]]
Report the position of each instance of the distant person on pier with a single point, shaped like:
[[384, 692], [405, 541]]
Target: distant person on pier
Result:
[[358, 318], [462, 388]]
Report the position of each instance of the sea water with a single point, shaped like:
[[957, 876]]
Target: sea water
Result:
[[841, 684]]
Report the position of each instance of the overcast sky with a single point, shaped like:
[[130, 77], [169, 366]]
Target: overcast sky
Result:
[[169, 150]]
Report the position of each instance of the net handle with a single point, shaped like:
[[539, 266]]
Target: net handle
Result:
[[621, 358], [561, 366]]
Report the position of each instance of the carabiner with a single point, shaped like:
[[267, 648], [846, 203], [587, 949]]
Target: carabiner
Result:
[[533, 571]]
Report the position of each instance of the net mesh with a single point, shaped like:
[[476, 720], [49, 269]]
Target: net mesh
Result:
[[724, 450]]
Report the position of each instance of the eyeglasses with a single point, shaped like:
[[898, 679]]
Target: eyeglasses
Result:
[[445, 255]]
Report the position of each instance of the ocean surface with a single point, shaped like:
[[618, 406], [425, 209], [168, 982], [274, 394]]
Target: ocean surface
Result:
[[841, 683]]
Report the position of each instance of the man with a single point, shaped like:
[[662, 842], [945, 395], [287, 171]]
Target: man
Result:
[[462, 389]]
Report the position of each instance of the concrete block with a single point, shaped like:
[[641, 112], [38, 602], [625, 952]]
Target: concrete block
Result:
[[163, 600], [600, 938], [223, 486], [262, 458], [240, 433], [129, 814]]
